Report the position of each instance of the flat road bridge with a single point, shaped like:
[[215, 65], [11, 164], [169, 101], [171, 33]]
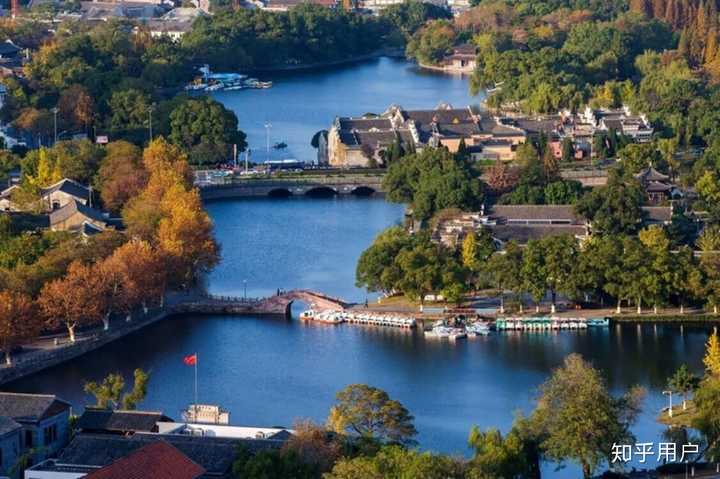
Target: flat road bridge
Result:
[[360, 185], [274, 305]]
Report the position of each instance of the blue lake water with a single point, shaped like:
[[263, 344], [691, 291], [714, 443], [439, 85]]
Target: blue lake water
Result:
[[273, 371], [302, 103]]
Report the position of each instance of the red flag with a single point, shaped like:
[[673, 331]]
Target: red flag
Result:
[[190, 360]]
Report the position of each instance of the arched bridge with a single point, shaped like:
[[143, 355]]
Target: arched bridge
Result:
[[360, 185], [278, 304]]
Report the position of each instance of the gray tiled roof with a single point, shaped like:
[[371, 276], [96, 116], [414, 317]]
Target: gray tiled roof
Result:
[[7, 425], [214, 454], [68, 186], [119, 421], [658, 214], [535, 212], [30, 407], [75, 207], [524, 233]]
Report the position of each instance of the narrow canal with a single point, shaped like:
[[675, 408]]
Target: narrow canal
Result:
[[270, 372]]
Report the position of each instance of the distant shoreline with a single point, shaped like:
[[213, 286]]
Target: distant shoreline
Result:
[[384, 52]]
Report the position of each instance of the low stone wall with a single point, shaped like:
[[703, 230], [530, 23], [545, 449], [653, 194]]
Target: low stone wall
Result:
[[39, 360]]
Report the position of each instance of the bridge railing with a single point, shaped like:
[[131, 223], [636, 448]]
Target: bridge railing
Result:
[[338, 180], [231, 299]]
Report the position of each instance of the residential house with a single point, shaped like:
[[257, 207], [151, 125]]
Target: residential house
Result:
[[11, 444], [44, 419], [285, 5], [376, 6], [6, 202], [103, 11], [159, 460], [175, 23], [78, 217], [621, 120], [63, 192], [462, 59], [522, 223], [86, 453], [107, 421]]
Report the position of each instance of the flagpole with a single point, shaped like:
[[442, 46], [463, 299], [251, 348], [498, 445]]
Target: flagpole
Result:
[[196, 386]]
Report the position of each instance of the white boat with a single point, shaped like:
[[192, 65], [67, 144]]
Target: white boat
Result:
[[477, 329], [445, 332]]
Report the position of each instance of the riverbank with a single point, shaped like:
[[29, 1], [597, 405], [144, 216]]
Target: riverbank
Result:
[[47, 352], [446, 69], [383, 52]]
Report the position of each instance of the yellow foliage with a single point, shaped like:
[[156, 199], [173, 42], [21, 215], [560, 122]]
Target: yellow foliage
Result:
[[712, 355]]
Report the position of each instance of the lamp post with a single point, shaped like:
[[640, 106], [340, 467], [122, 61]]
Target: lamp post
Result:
[[150, 112], [55, 112], [268, 125], [245, 289], [669, 395]]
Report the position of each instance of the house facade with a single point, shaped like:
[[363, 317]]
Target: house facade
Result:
[[353, 142], [11, 445], [45, 422]]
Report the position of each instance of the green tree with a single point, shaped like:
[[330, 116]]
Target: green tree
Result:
[[683, 382], [568, 150], [376, 269], [206, 129], [394, 462], [505, 270], [563, 192], [560, 260], [613, 209], [129, 110], [562, 415], [370, 413], [431, 181], [533, 271], [109, 393]]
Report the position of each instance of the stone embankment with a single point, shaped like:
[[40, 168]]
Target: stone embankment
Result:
[[50, 351]]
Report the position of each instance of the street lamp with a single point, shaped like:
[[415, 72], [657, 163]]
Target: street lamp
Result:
[[669, 395], [245, 289], [268, 125], [150, 112], [55, 112]]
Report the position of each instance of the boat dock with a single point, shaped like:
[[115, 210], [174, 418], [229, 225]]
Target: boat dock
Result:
[[548, 323], [371, 319]]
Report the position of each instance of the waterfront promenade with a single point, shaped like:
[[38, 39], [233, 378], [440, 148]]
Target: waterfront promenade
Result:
[[51, 350]]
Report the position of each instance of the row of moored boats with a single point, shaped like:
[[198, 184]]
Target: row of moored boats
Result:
[[374, 319], [226, 82], [548, 323]]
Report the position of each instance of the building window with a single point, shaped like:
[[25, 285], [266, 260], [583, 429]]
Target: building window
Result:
[[28, 439], [50, 434], [1, 458]]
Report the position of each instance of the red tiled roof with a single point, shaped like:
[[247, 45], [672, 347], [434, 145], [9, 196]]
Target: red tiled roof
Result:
[[158, 460]]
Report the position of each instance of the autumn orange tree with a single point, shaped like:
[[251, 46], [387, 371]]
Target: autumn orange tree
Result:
[[169, 215], [167, 167], [143, 272], [18, 321], [74, 300], [185, 235], [122, 174]]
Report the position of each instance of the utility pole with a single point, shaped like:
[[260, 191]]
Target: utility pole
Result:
[[55, 112], [267, 138], [247, 153]]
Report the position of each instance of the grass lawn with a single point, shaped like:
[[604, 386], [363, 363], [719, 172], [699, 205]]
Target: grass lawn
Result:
[[679, 417]]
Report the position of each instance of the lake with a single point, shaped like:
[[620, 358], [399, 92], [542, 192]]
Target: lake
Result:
[[301, 103], [273, 371]]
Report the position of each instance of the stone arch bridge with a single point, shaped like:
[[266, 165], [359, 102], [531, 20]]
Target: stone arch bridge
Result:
[[360, 185], [279, 304]]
